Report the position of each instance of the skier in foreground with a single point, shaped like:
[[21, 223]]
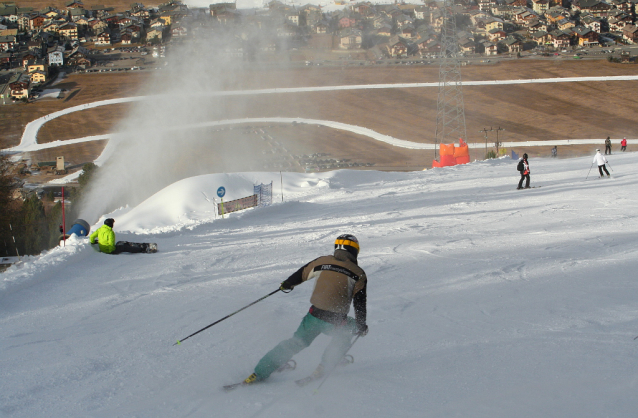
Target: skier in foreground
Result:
[[340, 281], [104, 237], [523, 167], [601, 161]]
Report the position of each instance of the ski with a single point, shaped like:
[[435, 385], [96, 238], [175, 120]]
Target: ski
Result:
[[233, 386], [303, 382], [531, 187], [290, 365], [348, 359]]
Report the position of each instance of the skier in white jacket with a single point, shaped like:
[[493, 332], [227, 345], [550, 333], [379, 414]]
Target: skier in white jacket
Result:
[[600, 160]]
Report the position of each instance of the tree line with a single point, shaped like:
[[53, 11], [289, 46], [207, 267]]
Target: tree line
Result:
[[30, 224]]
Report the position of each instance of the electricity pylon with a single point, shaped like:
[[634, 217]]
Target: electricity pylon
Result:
[[450, 110]]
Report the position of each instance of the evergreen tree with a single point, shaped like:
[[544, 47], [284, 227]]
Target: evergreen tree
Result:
[[25, 226], [9, 207], [88, 171], [35, 231], [54, 220]]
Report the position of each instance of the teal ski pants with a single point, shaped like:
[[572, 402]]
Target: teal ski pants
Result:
[[308, 330]]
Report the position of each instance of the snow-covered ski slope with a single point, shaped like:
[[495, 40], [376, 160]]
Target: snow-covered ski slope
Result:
[[483, 301]]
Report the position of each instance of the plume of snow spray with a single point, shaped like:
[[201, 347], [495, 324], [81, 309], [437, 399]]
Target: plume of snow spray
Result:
[[155, 144]]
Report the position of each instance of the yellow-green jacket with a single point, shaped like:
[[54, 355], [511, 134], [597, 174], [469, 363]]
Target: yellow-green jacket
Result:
[[105, 239]]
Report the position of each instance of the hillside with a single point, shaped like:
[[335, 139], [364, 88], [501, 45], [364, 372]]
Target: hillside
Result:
[[483, 301], [537, 112]]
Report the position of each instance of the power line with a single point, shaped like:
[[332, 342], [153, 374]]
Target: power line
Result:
[[450, 112]]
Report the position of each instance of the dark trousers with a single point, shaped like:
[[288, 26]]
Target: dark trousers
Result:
[[607, 148], [623, 148], [129, 247], [523, 177], [601, 168]]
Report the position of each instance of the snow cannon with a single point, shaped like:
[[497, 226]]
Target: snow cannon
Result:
[[80, 228]]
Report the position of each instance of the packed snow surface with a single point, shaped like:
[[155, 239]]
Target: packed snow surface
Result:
[[483, 300]]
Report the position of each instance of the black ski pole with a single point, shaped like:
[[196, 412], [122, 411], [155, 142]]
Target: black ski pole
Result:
[[227, 316], [335, 366], [612, 170], [592, 164]]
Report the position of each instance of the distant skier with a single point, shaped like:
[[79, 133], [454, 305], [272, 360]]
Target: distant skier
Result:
[[104, 237], [623, 145], [339, 282], [607, 146], [600, 160], [554, 151], [523, 167]]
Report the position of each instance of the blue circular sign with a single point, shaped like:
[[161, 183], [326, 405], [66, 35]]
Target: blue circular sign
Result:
[[221, 192]]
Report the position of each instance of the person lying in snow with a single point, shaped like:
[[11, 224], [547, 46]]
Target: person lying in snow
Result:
[[104, 237]]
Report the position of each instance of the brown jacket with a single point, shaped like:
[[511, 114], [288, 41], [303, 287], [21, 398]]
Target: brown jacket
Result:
[[339, 281]]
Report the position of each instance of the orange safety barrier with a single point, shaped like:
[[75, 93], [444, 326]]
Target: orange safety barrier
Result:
[[452, 155], [463, 160], [446, 149], [447, 160], [461, 151]]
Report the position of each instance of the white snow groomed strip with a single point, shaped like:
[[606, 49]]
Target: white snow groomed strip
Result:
[[28, 142]]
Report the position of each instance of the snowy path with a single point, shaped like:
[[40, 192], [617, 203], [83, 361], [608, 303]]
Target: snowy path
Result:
[[28, 141]]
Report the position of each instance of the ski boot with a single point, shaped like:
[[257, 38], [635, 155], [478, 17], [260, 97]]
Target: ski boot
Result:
[[348, 359], [318, 373], [290, 365], [250, 380]]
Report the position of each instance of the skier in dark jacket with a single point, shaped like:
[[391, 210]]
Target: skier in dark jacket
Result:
[[339, 282], [523, 167], [104, 237], [607, 146]]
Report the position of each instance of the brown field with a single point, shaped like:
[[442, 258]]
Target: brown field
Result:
[[526, 112]]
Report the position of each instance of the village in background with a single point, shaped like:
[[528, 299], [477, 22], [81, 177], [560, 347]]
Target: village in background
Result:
[[36, 45]]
